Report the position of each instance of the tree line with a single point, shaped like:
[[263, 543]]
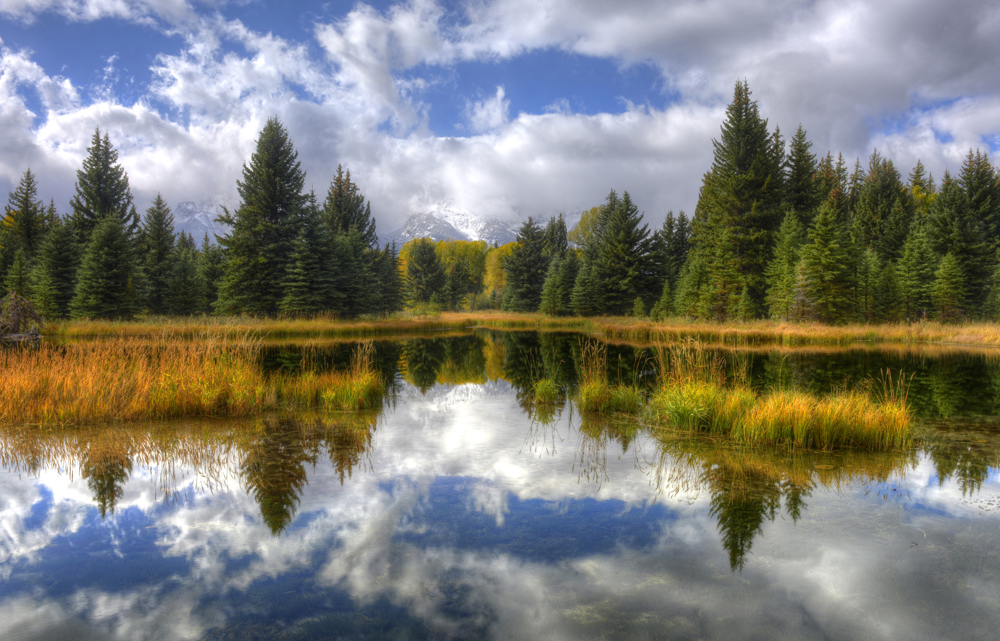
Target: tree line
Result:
[[777, 232]]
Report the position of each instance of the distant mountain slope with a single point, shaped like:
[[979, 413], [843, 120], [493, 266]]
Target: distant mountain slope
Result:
[[447, 223], [198, 219]]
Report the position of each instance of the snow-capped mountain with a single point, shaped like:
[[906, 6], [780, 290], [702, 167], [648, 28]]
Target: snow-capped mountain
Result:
[[445, 222], [198, 219]]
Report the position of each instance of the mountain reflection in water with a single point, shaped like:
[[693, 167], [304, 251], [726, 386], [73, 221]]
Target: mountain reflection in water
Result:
[[463, 509]]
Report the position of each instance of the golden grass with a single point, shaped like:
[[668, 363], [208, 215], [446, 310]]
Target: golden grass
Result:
[[137, 378], [595, 393], [695, 396], [745, 334], [547, 391]]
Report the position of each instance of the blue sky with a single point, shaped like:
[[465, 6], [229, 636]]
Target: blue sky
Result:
[[493, 107]]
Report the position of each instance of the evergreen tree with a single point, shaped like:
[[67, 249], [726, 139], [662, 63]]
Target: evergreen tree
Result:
[[107, 284], [185, 285], [991, 311], [55, 269], [306, 282], [17, 280], [638, 308], [664, 305], [780, 274], [949, 290], [825, 271], [802, 195], [555, 242], [102, 190], [211, 267], [869, 270], [889, 305], [569, 267], [693, 280], [526, 269], [158, 253], [585, 292], [345, 208], [740, 208], [953, 229], [981, 185], [551, 296], [917, 269], [25, 216], [390, 284], [264, 226], [623, 268], [424, 274], [883, 208]]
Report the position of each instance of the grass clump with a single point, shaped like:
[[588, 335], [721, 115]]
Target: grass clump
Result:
[[547, 391], [696, 396], [595, 393]]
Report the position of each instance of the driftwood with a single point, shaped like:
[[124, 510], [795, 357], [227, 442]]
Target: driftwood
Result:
[[19, 322]]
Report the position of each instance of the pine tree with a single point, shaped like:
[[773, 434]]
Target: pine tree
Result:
[[889, 306], [211, 267], [158, 253], [551, 295], [390, 284], [917, 269], [623, 268], [949, 290], [264, 226], [569, 267], [56, 269], [740, 208], [18, 277], [555, 242], [526, 269], [102, 190], [305, 283], [953, 229], [664, 305], [693, 280], [824, 270], [991, 311], [424, 274], [345, 208], [883, 208], [981, 185], [25, 216], [869, 269], [185, 285], [107, 282], [780, 274], [802, 195], [585, 292]]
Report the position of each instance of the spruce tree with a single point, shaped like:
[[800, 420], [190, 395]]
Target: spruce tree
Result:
[[917, 269], [555, 242], [102, 190], [569, 267], [991, 311], [949, 290], [263, 227], [780, 274], [424, 275], [693, 280], [185, 294], [526, 270], [18, 278], [802, 194], [345, 208], [390, 283], [869, 270], [585, 292], [889, 305], [107, 284], [551, 296], [624, 269], [158, 253], [825, 271], [981, 184], [25, 216], [305, 283], [953, 229], [664, 305], [740, 208], [883, 208], [211, 267], [56, 268]]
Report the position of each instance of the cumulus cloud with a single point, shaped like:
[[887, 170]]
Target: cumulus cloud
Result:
[[914, 79]]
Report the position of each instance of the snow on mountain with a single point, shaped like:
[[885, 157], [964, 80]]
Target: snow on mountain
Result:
[[445, 222], [197, 220]]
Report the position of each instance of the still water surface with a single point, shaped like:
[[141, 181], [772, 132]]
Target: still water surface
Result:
[[463, 511]]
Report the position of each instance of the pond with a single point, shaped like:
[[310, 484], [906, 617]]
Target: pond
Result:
[[463, 510]]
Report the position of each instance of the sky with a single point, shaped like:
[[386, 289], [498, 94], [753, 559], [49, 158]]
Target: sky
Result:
[[504, 108]]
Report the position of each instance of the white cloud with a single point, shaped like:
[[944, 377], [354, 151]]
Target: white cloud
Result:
[[490, 114]]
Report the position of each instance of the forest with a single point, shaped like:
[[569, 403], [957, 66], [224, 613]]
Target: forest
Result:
[[778, 232]]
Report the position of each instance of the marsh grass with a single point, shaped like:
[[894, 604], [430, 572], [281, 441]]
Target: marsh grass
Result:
[[166, 377], [595, 393], [697, 395], [547, 391]]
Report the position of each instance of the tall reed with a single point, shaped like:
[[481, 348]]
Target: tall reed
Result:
[[595, 393]]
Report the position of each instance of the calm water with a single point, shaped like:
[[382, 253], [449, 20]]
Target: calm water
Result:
[[462, 511]]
